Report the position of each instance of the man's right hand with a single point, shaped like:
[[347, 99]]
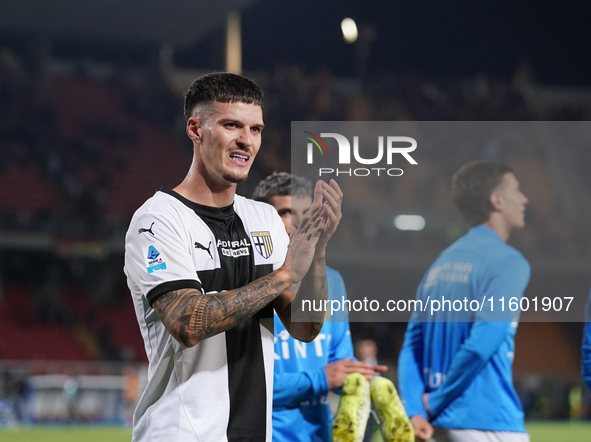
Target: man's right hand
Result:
[[337, 371], [423, 429]]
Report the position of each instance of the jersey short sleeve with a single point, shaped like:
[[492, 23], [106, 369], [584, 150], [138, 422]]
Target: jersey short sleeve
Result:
[[158, 255]]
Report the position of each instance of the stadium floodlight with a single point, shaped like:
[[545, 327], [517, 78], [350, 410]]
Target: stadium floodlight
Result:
[[349, 29], [409, 222], [233, 43]]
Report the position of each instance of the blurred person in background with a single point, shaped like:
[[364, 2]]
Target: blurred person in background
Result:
[[367, 350], [206, 267], [305, 373], [460, 374]]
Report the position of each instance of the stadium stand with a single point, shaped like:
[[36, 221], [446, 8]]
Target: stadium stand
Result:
[[81, 151]]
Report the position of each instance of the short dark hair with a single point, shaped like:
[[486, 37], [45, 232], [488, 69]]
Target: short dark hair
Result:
[[282, 183], [471, 187], [223, 87]]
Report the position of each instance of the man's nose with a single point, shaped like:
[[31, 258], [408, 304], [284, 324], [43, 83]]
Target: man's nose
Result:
[[244, 137]]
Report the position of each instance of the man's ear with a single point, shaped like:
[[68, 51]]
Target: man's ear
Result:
[[496, 199], [194, 129]]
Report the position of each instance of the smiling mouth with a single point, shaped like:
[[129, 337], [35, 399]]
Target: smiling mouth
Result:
[[239, 157]]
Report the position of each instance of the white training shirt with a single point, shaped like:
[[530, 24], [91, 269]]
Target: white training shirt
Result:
[[220, 389]]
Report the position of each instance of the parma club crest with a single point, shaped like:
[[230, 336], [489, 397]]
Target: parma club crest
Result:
[[262, 243]]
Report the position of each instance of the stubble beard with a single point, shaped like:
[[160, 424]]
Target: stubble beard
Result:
[[234, 179]]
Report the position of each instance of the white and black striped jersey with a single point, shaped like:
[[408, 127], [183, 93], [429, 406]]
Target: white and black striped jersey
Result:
[[220, 389]]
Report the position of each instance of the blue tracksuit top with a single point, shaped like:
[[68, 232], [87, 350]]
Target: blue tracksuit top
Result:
[[586, 349], [300, 405], [467, 367]]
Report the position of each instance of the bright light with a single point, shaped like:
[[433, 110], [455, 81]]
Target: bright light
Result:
[[409, 222], [349, 29]]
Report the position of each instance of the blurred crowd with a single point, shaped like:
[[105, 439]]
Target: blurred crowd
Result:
[[82, 147], [74, 137]]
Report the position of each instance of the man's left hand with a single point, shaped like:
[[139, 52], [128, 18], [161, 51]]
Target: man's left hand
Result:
[[333, 197]]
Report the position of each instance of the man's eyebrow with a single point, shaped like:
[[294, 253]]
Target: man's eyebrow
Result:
[[240, 123]]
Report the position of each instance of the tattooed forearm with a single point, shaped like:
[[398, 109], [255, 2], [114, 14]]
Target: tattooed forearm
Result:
[[305, 326], [314, 287], [191, 316]]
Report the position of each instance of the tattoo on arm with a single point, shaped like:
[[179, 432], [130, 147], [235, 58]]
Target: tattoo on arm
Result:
[[305, 326], [190, 316], [318, 286]]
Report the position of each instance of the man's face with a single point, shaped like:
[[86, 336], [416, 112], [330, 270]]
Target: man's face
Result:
[[513, 202], [230, 140], [291, 209]]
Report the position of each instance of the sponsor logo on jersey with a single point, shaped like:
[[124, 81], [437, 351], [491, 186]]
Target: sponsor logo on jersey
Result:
[[262, 243], [202, 247], [458, 272], [149, 230], [234, 249], [286, 348], [235, 253], [154, 258]]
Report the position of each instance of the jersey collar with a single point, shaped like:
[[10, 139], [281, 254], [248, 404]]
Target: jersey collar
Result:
[[200, 209]]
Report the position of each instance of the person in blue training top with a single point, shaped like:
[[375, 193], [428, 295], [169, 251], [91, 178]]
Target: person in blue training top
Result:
[[586, 349], [304, 373], [456, 368]]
